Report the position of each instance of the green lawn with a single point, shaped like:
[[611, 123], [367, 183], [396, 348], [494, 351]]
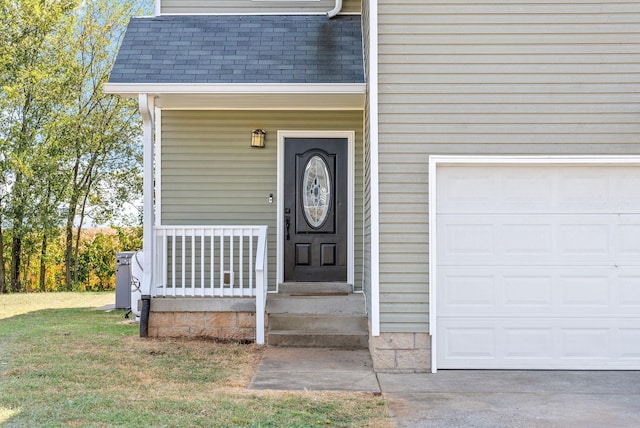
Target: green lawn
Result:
[[62, 364]]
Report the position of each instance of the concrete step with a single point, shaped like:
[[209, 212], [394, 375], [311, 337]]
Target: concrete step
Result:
[[316, 322], [318, 339], [285, 303], [335, 319], [314, 287]]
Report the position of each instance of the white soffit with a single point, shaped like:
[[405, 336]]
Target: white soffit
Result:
[[347, 96]]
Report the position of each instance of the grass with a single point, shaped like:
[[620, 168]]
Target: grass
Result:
[[22, 303], [64, 365]]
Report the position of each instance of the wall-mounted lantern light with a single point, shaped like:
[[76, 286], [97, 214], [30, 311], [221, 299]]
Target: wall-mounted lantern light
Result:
[[257, 138]]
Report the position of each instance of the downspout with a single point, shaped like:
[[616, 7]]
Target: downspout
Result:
[[336, 10], [146, 106]]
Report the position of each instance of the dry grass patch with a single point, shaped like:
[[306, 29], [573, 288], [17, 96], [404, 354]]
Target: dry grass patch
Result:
[[188, 362], [76, 367]]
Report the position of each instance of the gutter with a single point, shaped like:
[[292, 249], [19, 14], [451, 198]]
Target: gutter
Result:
[[336, 10]]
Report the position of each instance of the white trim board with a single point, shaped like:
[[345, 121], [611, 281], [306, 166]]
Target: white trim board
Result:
[[374, 187], [351, 138], [158, 167], [436, 161], [147, 111]]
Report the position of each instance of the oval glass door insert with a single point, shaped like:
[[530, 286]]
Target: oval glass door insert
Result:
[[316, 191]]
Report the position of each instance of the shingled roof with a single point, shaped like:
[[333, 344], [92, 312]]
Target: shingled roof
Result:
[[241, 49]]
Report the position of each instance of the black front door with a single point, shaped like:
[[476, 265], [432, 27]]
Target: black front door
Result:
[[315, 209]]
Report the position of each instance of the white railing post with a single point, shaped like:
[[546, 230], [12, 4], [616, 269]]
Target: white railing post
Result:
[[261, 284]]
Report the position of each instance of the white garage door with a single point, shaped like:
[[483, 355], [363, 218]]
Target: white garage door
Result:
[[538, 267]]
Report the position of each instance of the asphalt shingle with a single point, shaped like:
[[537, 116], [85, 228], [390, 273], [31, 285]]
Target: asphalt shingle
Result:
[[241, 49]]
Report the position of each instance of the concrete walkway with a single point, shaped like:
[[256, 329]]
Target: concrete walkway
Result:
[[315, 369], [463, 398]]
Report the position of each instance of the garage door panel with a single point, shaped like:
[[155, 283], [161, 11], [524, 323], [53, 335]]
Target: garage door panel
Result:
[[544, 343], [629, 339], [585, 238], [540, 239], [585, 189], [474, 289], [584, 291], [469, 342], [629, 236], [536, 189], [528, 343], [485, 290], [466, 238], [627, 194], [538, 267], [584, 343], [630, 291], [527, 238]]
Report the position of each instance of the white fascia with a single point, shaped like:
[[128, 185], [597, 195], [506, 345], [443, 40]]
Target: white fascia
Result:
[[133, 89]]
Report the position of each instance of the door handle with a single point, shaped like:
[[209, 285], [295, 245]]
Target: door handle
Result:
[[287, 223]]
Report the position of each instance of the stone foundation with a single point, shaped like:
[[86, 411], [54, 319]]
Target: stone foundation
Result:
[[225, 318], [214, 325], [401, 352]]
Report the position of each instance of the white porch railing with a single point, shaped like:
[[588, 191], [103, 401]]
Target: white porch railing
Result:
[[213, 261]]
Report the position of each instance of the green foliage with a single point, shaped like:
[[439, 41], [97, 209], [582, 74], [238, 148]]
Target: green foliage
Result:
[[96, 261], [130, 238], [98, 255]]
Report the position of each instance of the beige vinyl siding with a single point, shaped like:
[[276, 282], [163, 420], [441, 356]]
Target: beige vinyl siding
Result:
[[255, 6], [211, 176], [491, 77]]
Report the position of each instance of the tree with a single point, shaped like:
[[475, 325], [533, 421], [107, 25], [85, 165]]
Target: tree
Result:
[[62, 140], [100, 130], [33, 76]]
